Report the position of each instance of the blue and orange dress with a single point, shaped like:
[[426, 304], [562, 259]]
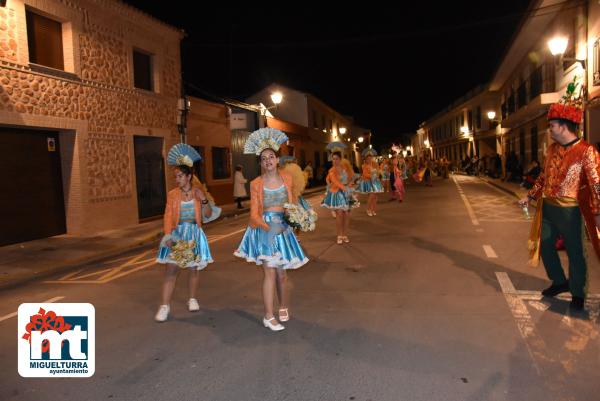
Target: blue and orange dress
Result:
[[339, 193], [369, 181], [269, 240], [183, 221]]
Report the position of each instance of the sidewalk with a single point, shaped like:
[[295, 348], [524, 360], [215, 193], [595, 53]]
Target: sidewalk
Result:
[[23, 262]]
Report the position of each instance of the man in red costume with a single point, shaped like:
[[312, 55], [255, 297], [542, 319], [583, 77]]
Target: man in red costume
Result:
[[568, 188]]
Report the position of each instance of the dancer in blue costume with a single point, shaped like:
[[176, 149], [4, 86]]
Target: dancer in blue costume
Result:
[[269, 241], [339, 196], [369, 182], [184, 215]]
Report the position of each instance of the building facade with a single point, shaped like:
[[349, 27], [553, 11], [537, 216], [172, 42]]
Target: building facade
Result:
[[463, 129], [529, 78], [209, 132], [321, 124], [88, 109], [526, 82]]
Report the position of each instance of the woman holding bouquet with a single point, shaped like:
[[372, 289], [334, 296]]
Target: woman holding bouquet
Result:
[[339, 196], [184, 244], [269, 241], [369, 182]]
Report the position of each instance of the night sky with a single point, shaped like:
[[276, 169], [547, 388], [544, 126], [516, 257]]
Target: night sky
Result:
[[389, 68]]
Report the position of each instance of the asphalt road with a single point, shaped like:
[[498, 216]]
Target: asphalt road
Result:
[[431, 300]]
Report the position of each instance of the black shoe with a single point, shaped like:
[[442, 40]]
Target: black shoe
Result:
[[577, 303], [556, 289]]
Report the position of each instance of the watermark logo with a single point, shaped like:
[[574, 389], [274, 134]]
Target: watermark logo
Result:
[[57, 340]]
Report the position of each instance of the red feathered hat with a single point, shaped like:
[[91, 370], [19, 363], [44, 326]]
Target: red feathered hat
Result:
[[565, 112], [570, 106]]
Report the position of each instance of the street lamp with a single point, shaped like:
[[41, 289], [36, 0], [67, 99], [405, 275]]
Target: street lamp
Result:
[[276, 97], [361, 139], [492, 117], [558, 46], [342, 130]]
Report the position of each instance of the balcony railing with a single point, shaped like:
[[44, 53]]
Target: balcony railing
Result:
[[540, 81]]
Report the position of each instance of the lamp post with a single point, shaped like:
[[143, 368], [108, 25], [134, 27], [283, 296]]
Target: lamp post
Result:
[[276, 98], [491, 115], [495, 122], [469, 135]]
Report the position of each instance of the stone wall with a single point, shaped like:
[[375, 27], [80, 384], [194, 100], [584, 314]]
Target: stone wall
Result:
[[108, 165], [103, 58], [8, 39]]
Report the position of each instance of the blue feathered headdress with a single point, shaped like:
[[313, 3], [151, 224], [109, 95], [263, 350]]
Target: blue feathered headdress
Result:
[[369, 152], [183, 155], [264, 138], [336, 146]]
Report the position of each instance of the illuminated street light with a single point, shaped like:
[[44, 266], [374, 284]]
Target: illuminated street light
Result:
[[361, 139], [558, 45], [276, 97]]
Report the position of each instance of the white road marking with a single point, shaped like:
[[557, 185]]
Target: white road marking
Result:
[[579, 334], [226, 235], [533, 341], [467, 204], [48, 301], [121, 270], [489, 251], [68, 276]]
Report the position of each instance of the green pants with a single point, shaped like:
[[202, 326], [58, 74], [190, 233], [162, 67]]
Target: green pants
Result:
[[566, 221]]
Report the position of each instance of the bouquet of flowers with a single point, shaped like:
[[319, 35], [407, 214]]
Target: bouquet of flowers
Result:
[[182, 252], [353, 200], [299, 218], [311, 221]]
